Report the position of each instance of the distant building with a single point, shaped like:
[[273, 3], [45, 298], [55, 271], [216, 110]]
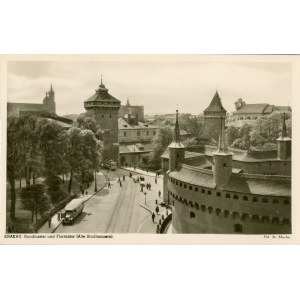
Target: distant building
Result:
[[37, 109], [132, 110], [103, 109], [135, 139], [247, 113]]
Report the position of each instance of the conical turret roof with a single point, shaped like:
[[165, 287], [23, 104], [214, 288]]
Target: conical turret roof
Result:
[[215, 104]]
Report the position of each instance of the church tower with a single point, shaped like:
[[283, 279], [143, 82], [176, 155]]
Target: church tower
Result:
[[103, 109], [176, 148], [49, 101], [284, 143], [213, 115], [222, 157]]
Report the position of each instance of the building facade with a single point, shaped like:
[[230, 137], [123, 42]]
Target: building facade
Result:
[[103, 109]]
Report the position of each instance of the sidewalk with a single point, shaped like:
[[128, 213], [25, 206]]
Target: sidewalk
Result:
[[55, 222], [147, 226]]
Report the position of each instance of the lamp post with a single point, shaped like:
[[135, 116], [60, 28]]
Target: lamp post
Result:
[[95, 190], [145, 193]]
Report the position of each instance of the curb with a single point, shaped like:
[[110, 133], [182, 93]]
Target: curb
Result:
[[135, 171], [105, 183]]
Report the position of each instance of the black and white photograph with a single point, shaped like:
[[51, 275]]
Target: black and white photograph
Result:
[[149, 145]]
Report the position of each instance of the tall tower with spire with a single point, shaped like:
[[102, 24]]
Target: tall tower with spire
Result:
[[103, 109], [176, 148], [49, 101], [222, 157], [284, 143], [213, 115]]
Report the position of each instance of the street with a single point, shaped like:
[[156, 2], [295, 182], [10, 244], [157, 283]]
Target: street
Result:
[[117, 210]]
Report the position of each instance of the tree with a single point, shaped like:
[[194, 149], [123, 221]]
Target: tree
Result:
[[35, 200], [232, 133], [193, 125]]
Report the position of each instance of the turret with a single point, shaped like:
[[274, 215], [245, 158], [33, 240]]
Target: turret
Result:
[[222, 161], [49, 101], [284, 143], [176, 148]]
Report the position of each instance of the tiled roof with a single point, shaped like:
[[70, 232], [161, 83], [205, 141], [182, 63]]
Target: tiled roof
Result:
[[122, 124], [193, 175], [260, 185], [243, 183], [254, 109], [215, 104], [135, 148]]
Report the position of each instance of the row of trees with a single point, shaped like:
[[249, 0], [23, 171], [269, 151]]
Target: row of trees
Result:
[[260, 136], [41, 148]]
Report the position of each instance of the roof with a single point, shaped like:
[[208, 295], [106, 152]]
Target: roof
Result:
[[122, 124], [26, 106], [187, 154], [135, 148], [74, 203], [243, 183], [102, 95], [215, 104], [254, 109]]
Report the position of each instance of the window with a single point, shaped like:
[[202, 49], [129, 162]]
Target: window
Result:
[[196, 189], [185, 186], [208, 192], [178, 155], [218, 194], [203, 208], [124, 133], [110, 117], [192, 215], [197, 206], [210, 209], [286, 201], [180, 184], [224, 165], [236, 197], [245, 217], [245, 198], [255, 218], [190, 187], [238, 228], [203, 191], [147, 133], [191, 204], [102, 116], [254, 199], [226, 213], [218, 211], [176, 182], [227, 195]]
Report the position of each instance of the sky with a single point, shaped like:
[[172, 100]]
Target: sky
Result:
[[161, 85]]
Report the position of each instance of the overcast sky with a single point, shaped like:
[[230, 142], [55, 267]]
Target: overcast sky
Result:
[[161, 86]]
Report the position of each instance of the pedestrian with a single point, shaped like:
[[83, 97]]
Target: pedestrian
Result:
[[86, 193], [155, 180], [159, 193], [49, 221], [108, 184], [123, 177], [119, 179], [142, 187], [82, 192], [130, 175], [120, 183], [157, 210], [153, 216], [88, 185], [149, 186]]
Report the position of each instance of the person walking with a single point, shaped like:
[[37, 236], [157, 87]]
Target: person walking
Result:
[[159, 193], [155, 180], [153, 217], [86, 193], [130, 175], [123, 177], [142, 188], [120, 183], [149, 186], [157, 210]]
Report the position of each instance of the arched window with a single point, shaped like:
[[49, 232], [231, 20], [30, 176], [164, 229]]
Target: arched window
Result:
[[197, 206], [245, 217], [254, 199], [238, 228], [208, 192], [210, 209], [192, 215], [191, 204], [235, 215], [227, 195], [245, 198], [203, 208], [218, 211], [265, 200], [203, 191], [286, 201], [218, 194], [236, 197]]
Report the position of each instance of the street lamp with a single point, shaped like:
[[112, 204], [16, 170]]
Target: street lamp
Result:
[[95, 190], [145, 193]]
